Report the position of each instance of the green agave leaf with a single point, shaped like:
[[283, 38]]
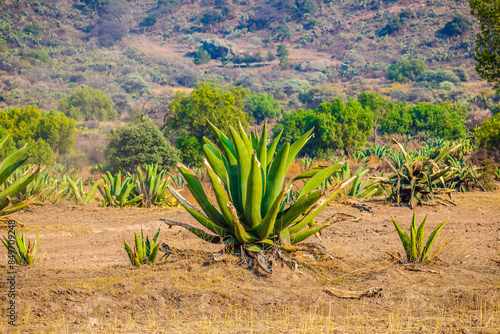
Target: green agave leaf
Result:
[[129, 252], [244, 164], [212, 226], [221, 196], [272, 148], [228, 147], [216, 163], [319, 178], [310, 173], [153, 254], [404, 238], [432, 238], [252, 213], [297, 146], [275, 179], [413, 237], [215, 239], [318, 208], [201, 198], [138, 248], [298, 208], [300, 236], [13, 161], [264, 229], [420, 238], [262, 154]]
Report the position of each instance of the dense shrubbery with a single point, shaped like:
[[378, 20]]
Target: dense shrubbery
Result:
[[54, 132], [488, 135], [87, 104], [137, 144], [443, 120], [457, 26], [261, 106], [336, 127], [406, 70]]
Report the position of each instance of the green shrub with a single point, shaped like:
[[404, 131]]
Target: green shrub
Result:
[[406, 70], [261, 106], [336, 126], [488, 134], [137, 144], [87, 104], [190, 151]]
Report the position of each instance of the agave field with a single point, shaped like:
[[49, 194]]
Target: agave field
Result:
[[388, 240]]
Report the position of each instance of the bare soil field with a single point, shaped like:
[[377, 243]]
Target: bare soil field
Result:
[[85, 283]]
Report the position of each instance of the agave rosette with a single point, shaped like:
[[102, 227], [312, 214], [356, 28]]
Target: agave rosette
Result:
[[249, 183]]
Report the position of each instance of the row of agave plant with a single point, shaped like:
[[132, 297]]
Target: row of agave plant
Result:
[[257, 208], [147, 188]]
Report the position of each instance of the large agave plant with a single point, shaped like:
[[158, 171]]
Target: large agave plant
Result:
[[9, 191], [249, 183], [419, 181]]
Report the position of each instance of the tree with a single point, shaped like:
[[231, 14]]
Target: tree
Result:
[[201, 57], [283, 54], [406, 70], [262, 106], [397, 119], [378, 106], [488, 134], [455, 27], [444, 120], [207, 102], [283, 32], [336, 127], [137, 144], [29, 125], [87, 104], [210, 17], [488, 40], [134, 84], [190, 150], [356, 122], [58, 131]]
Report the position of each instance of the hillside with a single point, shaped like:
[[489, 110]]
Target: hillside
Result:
[[49, 48]]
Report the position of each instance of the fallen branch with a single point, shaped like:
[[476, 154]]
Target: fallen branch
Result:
[[371, 292]]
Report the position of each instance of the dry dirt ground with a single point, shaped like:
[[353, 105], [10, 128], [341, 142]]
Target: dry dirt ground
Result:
[[86, 285]]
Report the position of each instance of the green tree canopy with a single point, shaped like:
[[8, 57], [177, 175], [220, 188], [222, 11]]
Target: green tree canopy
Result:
[[262, 106], [220, 105], [488, 40], [30, 124], [87, 103], [406, 70], [377, 104], [137, 144], [336, 126], [445, 120], [488, 134]]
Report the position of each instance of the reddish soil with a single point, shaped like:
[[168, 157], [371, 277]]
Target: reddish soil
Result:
[[85, 284]]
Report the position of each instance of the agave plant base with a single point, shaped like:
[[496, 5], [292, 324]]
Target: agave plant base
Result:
[[258, 254]]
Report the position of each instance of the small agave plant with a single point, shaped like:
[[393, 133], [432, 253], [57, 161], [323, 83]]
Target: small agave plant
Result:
[[249, 183], [416, 249], [145, 251], [26, 251]]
